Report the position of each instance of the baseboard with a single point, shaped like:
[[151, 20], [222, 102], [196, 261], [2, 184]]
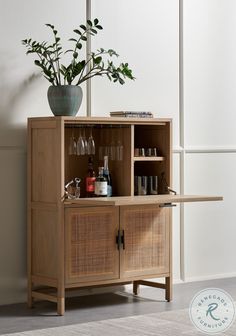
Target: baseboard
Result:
[[209, 277]]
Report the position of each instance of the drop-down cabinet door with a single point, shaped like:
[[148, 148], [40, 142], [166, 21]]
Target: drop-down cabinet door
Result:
[[90, 244], [146, 241]]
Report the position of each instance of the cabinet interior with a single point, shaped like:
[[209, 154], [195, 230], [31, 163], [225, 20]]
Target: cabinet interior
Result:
[[129, 137], [105, 137]]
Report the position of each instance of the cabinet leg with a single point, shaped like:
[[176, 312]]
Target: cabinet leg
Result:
[[61, 306], [169, 289], [136, 288]]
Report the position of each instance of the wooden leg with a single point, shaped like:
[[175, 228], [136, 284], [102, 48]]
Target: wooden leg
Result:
[[136, 287], [169, 289], [61, 306]]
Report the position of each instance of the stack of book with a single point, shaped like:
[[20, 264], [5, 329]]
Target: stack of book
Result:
[[132, 114]]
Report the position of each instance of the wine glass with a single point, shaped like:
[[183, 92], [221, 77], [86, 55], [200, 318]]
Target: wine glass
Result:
[[119, 147], [80, 145], [101, 144], [91, 143], [85, 142], [112, 147], [72, 144]]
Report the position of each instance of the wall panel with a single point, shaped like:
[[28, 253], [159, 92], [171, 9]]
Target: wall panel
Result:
[[210, 227], [146, 35], [209, 72]]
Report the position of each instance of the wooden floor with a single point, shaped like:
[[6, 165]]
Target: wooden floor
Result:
[[18, 317]]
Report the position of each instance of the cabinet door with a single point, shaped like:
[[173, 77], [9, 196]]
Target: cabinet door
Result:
[[91, 250], [146, 249]]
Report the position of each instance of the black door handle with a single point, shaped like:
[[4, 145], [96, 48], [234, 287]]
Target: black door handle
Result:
[[167, 205]]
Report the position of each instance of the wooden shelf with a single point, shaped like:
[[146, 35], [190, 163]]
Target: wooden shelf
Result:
[[148, 158]]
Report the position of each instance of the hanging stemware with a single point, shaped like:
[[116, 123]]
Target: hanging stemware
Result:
[[91, 143], [80, 145], [72, 144]]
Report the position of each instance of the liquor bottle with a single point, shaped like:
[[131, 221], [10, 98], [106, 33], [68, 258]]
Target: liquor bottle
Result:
[[101, 184], [90, 179], [107, 174]]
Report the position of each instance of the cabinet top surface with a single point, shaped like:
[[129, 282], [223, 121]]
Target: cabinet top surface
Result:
[[105, 120]]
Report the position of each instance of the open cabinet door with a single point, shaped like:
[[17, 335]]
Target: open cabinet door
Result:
[[164, 200]]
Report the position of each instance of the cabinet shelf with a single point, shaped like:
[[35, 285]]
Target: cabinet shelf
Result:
[[148, 158]]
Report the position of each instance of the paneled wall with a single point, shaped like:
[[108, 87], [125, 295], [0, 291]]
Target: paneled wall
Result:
[[22, 94], [209, 84], [146, 34]]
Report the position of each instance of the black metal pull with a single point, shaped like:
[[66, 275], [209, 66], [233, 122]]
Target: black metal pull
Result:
[[118, 240], [123, 239], [167, 205]]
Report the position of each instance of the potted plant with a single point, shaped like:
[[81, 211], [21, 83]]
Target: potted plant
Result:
[[65, 93]]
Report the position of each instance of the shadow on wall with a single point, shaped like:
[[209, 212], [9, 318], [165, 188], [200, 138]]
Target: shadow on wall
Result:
[[12, 120]]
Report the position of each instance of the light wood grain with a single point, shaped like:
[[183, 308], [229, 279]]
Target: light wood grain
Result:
[[91, 250], [62, 258], [135, 200], [146, 236]]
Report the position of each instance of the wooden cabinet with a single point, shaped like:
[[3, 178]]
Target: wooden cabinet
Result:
[[98, 241]]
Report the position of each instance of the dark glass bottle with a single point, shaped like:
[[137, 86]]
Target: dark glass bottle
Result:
[[107, 174], [101, 184], [90, 179]]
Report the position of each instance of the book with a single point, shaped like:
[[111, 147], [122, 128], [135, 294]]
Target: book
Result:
[[132, 114]]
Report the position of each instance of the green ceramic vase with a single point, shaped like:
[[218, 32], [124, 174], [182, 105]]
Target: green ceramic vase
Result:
[[65, 100]]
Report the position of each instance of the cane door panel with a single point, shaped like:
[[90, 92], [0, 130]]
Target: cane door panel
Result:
[[146, 238], [91, 250]]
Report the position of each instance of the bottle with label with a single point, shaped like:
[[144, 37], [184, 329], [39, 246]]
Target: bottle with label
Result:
[[107, 174], [90, 179], [101, 184]]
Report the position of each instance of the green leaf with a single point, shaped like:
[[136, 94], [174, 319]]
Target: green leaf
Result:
[[99, 27], [49, 25], [94, 31], [79, 45], [72, 39], [83, 38], [69, 50], [75, 54], [121, 81], [98, 60], [95, 21], [77, 31], [37, 62], [55, 32], [89, 23], [57, 39], [83, 27]]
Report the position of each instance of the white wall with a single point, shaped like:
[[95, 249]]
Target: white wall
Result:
[[210, 137], [22, 96], [146, 35]]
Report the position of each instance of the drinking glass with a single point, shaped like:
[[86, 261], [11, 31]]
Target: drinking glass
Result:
[[72, 145], [91, 143], [80, 145]]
